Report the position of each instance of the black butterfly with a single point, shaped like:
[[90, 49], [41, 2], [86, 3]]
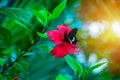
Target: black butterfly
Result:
[[71, 37]]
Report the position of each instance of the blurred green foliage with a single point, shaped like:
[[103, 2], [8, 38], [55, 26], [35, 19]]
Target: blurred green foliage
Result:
[[23, 52]]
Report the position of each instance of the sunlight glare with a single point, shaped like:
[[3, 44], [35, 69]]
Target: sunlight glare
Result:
[[95, 29], [116, 28]]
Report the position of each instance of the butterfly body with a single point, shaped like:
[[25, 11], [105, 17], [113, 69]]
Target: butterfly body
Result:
[[71, 36]]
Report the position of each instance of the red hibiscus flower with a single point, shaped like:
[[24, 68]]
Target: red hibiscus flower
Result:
[[62, 47], [16, 78]]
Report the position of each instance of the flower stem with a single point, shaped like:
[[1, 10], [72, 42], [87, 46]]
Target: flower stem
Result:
[[30, 46]]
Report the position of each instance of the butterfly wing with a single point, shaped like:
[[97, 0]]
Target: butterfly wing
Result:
[[71, 37]]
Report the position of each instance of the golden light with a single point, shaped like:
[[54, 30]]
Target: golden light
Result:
[[104, 39], [116, 28]]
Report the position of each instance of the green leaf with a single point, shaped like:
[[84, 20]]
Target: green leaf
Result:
[[42, 16], [6, 51], [50, 17], [94, 67], [39, 16], [74, 65], [22, 65], [29, 54], [62, 77], [1, 77], [57, 11], [5, 37], [19, 51], [42, 35], [21, 24], [2, 61], [17, 13]]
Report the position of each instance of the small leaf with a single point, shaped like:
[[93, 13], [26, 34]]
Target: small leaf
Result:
[[42, 16], [57, 11], [2, 61], [17, 66], [6, 51], [74, 65], [21, 24], [50, 17], [22, 65], [1, 77], [94, 67], [42, 35], [62, 77], [25, 65], [39, 16], [29, 54], [19, 51]]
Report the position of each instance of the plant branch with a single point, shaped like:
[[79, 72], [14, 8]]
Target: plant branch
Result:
[[26, 50], [17, 59]]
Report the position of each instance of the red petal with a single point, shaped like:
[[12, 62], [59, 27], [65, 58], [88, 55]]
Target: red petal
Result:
[[55, 36], [76, 48], [72, 48], [64, 28], [59, 51], [16, 78]]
